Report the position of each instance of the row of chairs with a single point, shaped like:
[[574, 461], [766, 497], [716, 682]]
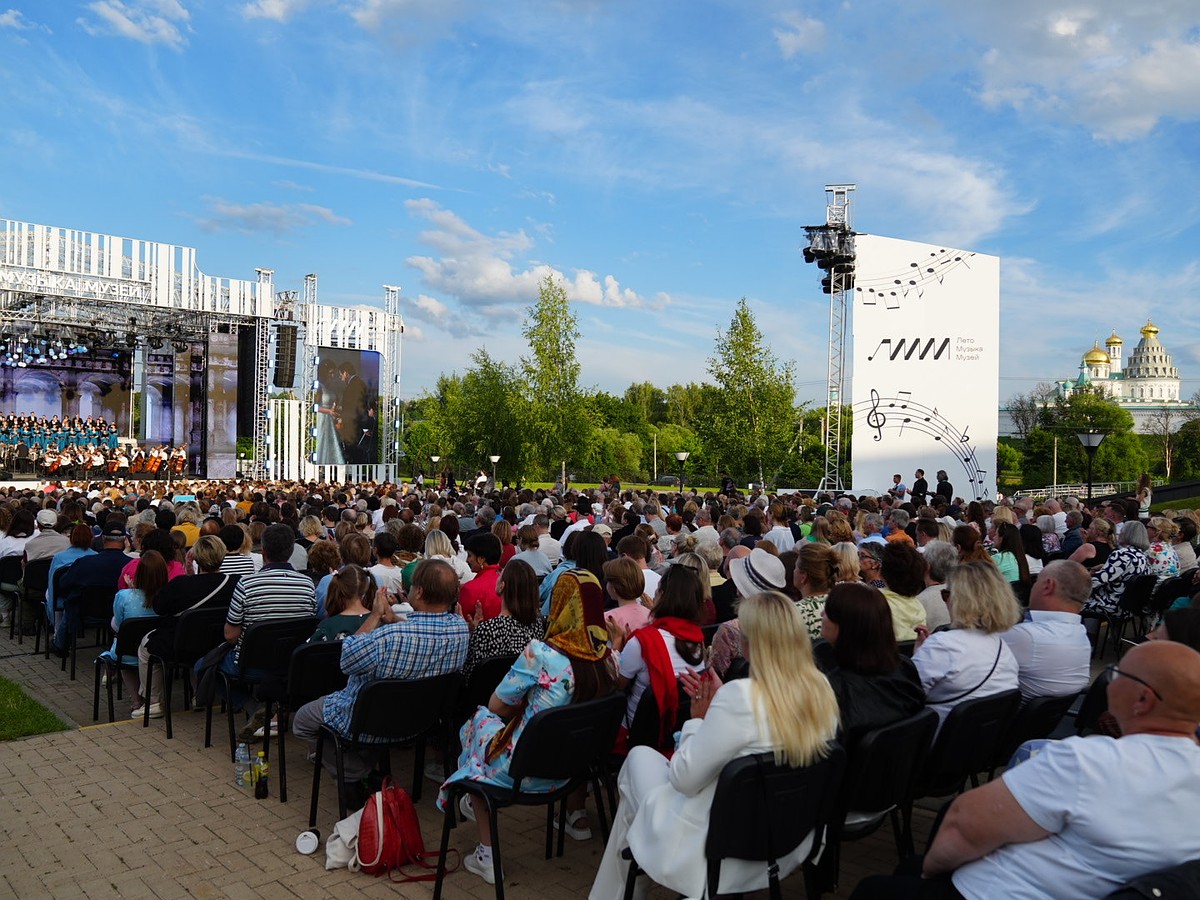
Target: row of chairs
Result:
[[1143, 601]]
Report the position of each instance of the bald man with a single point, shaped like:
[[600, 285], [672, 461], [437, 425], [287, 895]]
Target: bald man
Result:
[[1084, 815]]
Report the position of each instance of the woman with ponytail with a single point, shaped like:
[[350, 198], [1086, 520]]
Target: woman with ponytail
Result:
[[786, 706], [346, 603]]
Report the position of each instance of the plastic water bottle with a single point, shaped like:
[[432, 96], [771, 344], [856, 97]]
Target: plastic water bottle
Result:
[[261, 773], [243, 775]]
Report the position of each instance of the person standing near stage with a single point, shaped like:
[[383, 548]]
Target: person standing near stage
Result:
[[920, 488], [944, 487], [355, 422]]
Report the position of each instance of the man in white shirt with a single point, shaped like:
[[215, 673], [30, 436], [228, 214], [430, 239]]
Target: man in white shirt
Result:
[[546, 543], [637, 548], [1051, 645], [705, 533], [1083, 815]]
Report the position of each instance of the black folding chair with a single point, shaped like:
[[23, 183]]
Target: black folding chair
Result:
[[762, 812], [482, 683], [197, 632], [879, 779], [566, 744], [94, 604], [963, 748], [1036, 719], [34, 582], [315, 670], [129, 638], [390, 711], [1131, 607], [10, 585], [267, 651]]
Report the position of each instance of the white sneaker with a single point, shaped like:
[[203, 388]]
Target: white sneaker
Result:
[[465, 808], [480, 866]]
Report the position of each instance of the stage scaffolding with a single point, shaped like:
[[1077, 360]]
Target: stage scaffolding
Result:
[[137, 296]]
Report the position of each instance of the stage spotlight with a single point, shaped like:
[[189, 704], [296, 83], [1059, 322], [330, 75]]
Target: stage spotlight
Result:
[[180, 346], [130, 340], [156, 342]]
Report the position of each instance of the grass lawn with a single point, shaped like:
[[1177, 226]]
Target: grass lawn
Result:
[[22, 716], [1186, 503]]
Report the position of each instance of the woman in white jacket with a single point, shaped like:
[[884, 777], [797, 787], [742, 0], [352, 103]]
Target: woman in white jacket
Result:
[[786, 705]]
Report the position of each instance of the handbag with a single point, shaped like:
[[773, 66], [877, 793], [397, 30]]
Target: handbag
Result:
[[206, 673], [196, 605], [389, 837]]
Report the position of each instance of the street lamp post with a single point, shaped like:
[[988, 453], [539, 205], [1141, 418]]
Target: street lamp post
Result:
[[494, 459], [1091, 443], [682, 456]]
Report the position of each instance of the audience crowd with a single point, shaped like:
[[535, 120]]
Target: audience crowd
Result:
[[733, 624]]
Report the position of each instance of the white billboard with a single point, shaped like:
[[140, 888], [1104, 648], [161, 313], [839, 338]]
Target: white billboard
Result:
[[926, 327]]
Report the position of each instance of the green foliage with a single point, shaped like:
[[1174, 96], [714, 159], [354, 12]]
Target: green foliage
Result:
[[558, 422], [753, 416], [1008, 460]]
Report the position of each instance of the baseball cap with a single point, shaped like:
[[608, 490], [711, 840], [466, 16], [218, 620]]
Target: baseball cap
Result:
[[114, 531], [602, 530], [47, 517]]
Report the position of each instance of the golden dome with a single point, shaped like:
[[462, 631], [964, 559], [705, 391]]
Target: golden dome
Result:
[[1149, 329], [1113, 340], [1096, 356]]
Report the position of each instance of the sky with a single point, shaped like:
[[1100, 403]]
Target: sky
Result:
[[661, 159]]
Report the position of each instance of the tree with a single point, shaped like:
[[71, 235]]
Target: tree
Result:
[[650, 401], [753, 419], [1030, 411], [1162, 426], [559, 424]]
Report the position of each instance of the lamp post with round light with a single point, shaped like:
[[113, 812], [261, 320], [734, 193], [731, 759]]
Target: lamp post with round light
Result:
[[494, 459], [682, 456], [1091, 443]]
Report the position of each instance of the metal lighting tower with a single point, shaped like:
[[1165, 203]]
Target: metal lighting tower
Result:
[[831, 247]]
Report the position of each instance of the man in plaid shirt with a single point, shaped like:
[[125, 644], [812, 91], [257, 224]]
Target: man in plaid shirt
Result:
[[431, 641]]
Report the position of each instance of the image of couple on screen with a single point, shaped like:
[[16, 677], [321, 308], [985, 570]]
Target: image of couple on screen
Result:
[[346, 416]]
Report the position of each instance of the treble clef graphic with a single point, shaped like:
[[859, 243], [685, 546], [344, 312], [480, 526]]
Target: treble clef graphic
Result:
[[876, 419]]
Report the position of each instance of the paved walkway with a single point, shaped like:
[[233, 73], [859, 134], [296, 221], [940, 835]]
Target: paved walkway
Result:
[[116, 810]]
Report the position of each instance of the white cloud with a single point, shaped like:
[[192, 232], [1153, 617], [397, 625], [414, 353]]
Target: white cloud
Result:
[[800, 34], [1114, 67], [479, 269], [275, 10], [14, 18], [145, 21], [276, 218]]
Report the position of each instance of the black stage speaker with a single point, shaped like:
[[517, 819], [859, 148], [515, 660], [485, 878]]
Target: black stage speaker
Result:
[[285, 356]]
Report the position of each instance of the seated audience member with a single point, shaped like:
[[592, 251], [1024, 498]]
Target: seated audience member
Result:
[[572, 665], [875, 685], [699, 565], [81, 545], [323, 559], [1033, 544], [903, 573], [208, 587], [101, 569], [1084, 815], [136, 602], [1072, 539], [439, 546], [655, 656], [1124, 564], [1051, 646], [625, 586], [970, 660], [238, 560], [518, 622], [431, 641], [870, 561], [1098, 544], [483, 558], [346, 603], [385, 572], [940, 557], [785, 705], [637, 548], [1164, 560], [164, 544], [531, 553]]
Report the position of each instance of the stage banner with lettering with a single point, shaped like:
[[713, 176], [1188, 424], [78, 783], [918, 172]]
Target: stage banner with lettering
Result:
[[925, 389]]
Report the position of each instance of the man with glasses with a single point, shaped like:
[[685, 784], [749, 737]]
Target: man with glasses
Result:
[[1084, 815]]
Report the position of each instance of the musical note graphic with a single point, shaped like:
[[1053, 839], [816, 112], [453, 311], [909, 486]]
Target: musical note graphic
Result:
[[876, 419], [891, 287], [923, 420]]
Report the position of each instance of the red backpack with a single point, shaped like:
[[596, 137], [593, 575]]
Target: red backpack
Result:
[[389, 836]]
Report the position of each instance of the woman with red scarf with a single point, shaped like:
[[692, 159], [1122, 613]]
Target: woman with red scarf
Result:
[[656, 655]]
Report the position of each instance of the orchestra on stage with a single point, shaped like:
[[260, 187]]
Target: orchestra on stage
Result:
[[82, 448]]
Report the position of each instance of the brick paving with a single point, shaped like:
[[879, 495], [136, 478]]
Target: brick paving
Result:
[[118, 811]]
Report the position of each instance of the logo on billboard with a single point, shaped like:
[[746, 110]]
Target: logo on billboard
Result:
[[908, 347]]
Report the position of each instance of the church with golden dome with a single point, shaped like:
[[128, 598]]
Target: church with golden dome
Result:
[[1147, 377]]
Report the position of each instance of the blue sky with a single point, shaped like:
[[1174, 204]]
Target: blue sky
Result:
[[662, 158]]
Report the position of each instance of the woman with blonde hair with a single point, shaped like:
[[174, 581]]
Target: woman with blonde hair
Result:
[[970, 661], [845, 558], [1098, 544], [694, 560], [1164, 560], [785, 706]]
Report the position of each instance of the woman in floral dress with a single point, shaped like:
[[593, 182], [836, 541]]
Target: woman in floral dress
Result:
[[572, 665]]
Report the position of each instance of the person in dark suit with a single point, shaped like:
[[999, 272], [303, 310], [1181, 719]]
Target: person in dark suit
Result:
[[920, 488], [356, 427]]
